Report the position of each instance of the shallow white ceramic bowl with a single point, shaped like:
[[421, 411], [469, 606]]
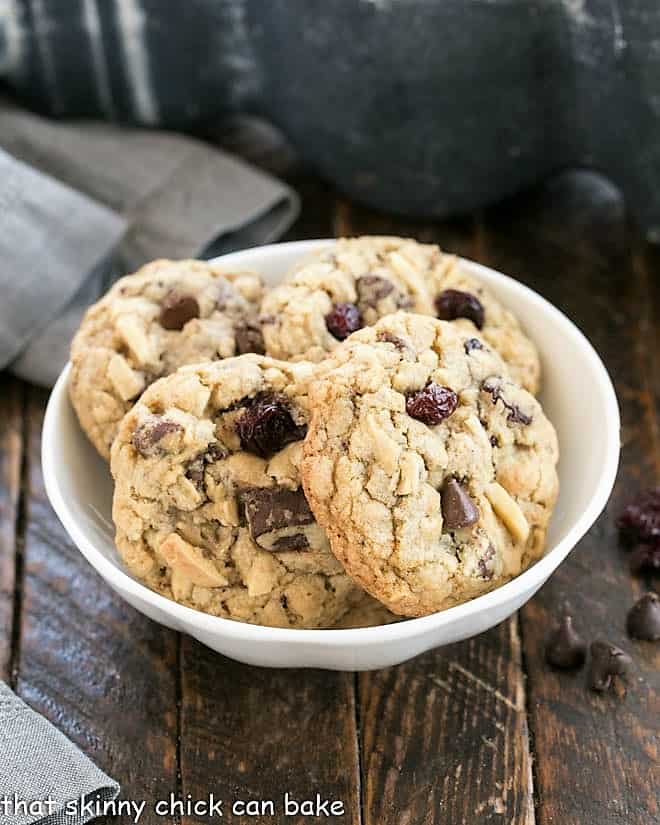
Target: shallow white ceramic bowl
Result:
[[578, 398]]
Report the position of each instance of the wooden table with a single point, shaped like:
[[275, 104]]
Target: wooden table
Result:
[[478, 732]]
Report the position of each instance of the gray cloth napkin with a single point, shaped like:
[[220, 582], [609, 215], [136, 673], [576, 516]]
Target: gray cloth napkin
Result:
[[81, 203], [43, 777]]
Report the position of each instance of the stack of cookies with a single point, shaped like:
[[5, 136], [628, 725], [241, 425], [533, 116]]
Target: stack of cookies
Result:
[[359, 444]]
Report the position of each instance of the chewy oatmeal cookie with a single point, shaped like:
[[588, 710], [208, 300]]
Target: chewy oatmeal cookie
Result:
[[433, 474], [167, 314], [358, 280], [208, 504]]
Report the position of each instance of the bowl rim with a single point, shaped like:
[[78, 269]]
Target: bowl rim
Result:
[[530, 579]]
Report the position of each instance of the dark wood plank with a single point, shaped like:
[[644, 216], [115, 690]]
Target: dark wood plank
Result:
[[444, 738], [595, 755], [11, 444], [252, 734], [102, 673]]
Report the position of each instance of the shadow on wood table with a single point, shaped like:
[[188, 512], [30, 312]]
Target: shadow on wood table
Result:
[[478, 732]]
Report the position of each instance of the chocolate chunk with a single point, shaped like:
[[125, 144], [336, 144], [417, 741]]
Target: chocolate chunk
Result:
[[344, 319], [472, 344], [266, 425], [432, 404], [515, 415], [607, 661], [147, 435], [275, 516], [643, 621], [177, 309], [452, 304], [249, 338], [564, 648], [372, 288], [458, 509]]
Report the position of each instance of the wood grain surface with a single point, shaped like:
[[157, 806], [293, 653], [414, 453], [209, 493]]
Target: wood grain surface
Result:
[[478, 732]]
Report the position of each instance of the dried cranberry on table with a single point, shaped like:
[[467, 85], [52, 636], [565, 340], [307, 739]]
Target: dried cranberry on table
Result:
[[639, 527]]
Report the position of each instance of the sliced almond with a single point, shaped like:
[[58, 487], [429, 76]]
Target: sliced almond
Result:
[[507, 509], [128, 382], [386, 450], [190, 563], [135, 337]]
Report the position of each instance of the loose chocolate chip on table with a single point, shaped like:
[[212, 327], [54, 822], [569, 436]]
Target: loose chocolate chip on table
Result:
[[344, 319], [514, 414], [564, 648], [249, 338], [266, 426], [458, 509], [177, 309], [452, 304], [276, 517], [643, 621], [607, 661], [472, 344], [432, 404], [147, 435]]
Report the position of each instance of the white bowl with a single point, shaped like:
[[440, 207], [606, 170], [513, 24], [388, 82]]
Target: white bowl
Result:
[[577, 396]]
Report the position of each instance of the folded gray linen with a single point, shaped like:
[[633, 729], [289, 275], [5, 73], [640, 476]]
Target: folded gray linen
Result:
[[44, 778], [83, 202]]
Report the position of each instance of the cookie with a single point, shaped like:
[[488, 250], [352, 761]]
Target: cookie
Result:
[[433, 473], [342, 288], [357, 281], [208, 505], [167, 314]]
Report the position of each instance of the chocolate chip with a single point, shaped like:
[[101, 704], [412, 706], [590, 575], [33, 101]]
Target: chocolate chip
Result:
[[266, 425], [344, 319], [564, 648], [472, 344], [249, 338], [388, 338], [643, 621], [147, 435], [452, 304], [177, 309], [372, 288], [432, 404], [607, 661], [197, 467], [458, 509], [484, 566], [494, 441], [277, 517], [515, 415]]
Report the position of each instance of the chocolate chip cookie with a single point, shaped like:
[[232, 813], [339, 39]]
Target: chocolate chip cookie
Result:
[[353, 283], [433, 473], [208, 506], [167, 314]]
